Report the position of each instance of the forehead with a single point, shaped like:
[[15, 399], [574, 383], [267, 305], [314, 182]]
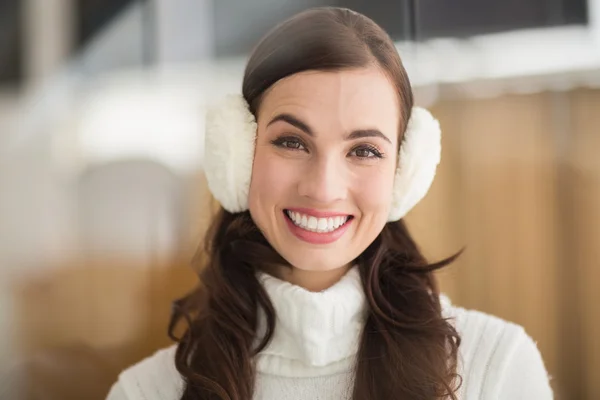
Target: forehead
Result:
[[338, 100]]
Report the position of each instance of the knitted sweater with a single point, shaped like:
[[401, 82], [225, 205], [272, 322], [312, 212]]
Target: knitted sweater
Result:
[[316, 340]]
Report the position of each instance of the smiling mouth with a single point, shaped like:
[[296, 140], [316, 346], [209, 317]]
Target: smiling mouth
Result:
[[318, 225]]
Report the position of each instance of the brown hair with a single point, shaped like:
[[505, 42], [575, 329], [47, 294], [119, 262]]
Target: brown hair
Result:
[[407, 349]]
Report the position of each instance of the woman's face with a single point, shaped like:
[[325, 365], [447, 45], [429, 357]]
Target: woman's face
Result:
[[324, 165]]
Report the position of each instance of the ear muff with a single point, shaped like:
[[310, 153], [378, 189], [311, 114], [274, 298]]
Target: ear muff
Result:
[[230, 138], [229, 143], [419, 156]]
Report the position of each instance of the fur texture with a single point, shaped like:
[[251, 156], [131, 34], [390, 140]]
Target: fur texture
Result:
[[420, 154], [229, 152]]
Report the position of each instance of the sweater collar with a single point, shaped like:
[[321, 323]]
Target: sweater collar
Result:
[[314, 330]]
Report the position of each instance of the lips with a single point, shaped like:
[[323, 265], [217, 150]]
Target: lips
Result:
[[316, 224], [317, 227]]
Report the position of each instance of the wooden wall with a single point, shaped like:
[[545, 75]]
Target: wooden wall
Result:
[[519, 186]]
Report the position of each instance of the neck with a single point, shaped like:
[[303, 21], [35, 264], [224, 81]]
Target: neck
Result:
[[313, 281]]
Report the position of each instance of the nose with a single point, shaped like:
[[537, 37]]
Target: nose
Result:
[[324, 180]]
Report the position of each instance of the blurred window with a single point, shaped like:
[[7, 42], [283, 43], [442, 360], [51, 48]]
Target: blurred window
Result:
[[93, 15], [11, 37], [460, 18], [239, 25]]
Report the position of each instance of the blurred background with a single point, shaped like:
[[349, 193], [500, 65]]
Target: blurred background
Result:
[[103, 199]]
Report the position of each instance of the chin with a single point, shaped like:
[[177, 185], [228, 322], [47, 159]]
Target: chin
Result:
[[318, 263]]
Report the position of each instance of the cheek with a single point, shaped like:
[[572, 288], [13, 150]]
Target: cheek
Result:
[[272, 180], [375, 191]]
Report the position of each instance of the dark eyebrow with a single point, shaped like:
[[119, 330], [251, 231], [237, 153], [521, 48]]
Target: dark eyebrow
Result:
[[290, 119], [362, 133], [358, 134]]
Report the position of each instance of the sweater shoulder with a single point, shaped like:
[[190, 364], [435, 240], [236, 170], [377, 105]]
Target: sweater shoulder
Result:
[[481, 329], [489, 350], [153, 378]]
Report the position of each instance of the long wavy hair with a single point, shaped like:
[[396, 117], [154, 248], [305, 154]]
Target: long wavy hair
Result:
[[407, 349]]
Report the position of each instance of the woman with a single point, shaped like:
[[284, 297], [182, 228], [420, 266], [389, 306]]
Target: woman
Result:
[[312, 287]]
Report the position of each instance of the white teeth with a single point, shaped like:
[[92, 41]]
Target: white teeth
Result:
[[322, 225], [314, 224]]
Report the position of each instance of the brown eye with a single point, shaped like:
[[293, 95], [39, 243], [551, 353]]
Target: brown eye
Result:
[[290, 143], [366, 152], [363, 153]]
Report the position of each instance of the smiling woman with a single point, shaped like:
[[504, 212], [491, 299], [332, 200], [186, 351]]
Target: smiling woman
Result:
[[312, 286], [325, 148]]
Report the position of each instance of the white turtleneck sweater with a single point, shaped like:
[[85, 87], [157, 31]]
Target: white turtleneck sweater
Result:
[[316, 340]]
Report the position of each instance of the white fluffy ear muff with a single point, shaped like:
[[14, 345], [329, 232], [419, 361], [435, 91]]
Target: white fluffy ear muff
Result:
[[419, 156], [229, 153]]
